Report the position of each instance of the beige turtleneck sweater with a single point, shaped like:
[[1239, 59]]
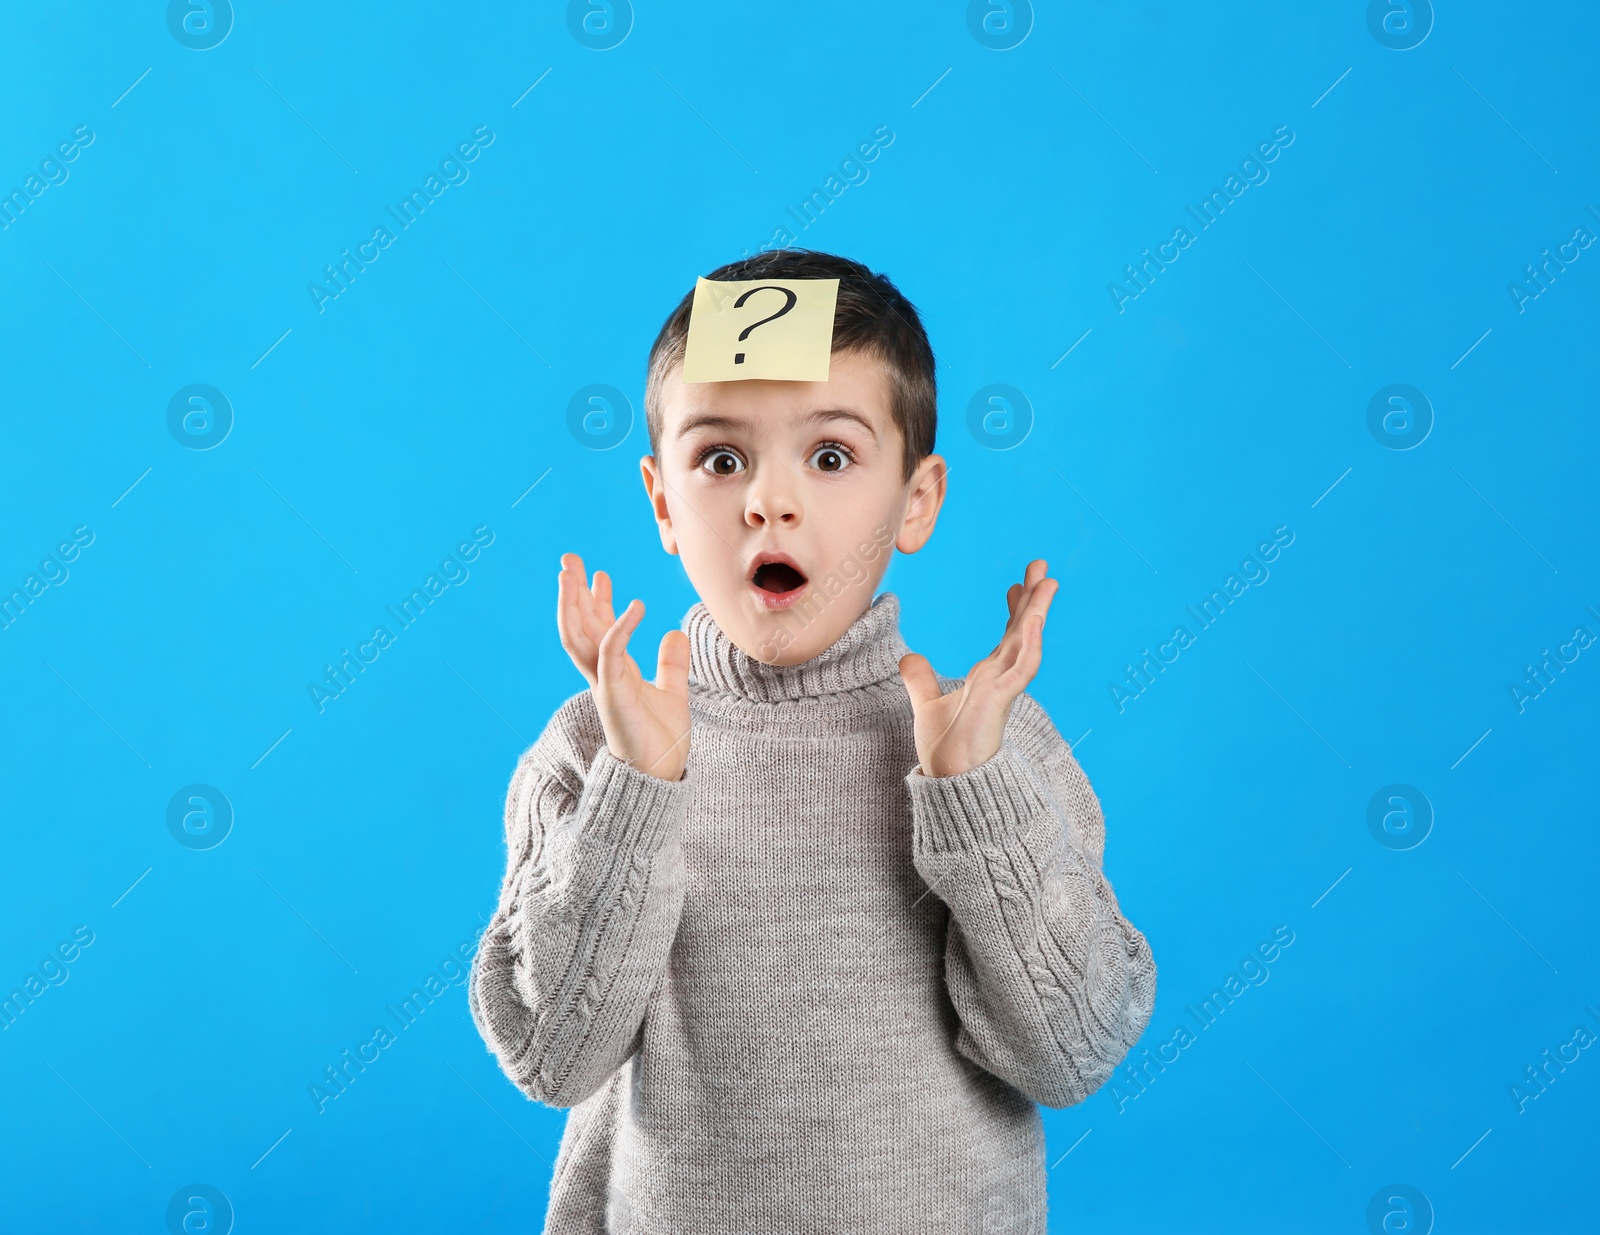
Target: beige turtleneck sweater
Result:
[[805, 988]]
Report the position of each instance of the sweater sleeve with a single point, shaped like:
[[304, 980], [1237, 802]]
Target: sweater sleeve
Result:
[[1052, 984], [587, 911]]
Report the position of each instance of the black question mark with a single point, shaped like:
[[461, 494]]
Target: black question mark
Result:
[[738, 357]]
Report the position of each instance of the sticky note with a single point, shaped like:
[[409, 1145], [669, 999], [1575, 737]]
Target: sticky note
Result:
[[760, 328]]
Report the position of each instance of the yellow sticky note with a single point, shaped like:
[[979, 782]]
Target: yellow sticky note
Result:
[[766, 328]]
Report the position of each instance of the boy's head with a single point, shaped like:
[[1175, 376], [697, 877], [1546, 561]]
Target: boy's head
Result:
[[826, 476]]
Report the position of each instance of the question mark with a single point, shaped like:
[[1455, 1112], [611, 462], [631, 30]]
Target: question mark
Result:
[[738, 357]]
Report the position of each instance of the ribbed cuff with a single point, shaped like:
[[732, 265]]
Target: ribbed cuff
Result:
[[623, 807], [984, 805]]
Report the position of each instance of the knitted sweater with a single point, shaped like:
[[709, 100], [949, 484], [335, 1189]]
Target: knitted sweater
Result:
[[805, 988]]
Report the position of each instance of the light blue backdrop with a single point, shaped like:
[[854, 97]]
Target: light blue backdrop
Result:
[[233, 541]]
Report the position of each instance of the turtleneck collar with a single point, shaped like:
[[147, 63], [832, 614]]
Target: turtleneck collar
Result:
[[866, 655]]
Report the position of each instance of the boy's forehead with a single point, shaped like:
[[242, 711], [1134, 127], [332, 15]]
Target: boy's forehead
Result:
[[856, 381]]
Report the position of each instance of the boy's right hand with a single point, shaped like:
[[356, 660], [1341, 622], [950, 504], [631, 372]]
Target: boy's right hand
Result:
[[645, 726]]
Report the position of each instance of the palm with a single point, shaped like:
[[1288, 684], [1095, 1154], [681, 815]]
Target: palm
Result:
[[646, 725], [960, 730]]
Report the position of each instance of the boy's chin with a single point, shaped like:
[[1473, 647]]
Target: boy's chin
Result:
[[787, 636]]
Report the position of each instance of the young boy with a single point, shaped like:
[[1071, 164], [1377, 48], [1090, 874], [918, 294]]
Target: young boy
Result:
[[803, 931]]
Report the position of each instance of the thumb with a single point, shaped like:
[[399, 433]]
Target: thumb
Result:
[[672, 664], [922, 684]]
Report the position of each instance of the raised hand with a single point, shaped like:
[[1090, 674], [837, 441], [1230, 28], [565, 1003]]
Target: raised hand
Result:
[[956, 732], [645, 726]]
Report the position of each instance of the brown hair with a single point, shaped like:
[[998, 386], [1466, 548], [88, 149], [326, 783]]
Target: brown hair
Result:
[[871, 316]]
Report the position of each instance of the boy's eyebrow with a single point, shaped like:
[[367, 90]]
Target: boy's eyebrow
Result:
[[712, 420]]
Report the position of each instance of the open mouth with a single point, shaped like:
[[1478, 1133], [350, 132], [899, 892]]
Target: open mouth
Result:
[[779, 581]]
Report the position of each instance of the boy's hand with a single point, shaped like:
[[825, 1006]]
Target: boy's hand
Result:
[[956, 732], [646, 726]]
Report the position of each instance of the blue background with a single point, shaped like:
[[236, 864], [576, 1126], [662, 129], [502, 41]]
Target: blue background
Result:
[[369, 438]]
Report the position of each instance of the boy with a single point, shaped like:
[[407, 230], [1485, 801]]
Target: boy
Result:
[[803, 931]]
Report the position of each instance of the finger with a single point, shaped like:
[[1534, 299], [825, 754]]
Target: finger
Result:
[[602, 598], [614, 661], [922, 684], [1030, 654], [1032, 577], [1019, 594], [575, 637], [585, 600], [672, 664], [1028, 633]]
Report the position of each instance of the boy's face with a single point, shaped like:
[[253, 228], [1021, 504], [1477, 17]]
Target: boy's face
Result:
[[784, 498]]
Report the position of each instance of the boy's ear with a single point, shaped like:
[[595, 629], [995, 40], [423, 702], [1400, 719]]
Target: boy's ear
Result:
[[656, 490], [925, 496]]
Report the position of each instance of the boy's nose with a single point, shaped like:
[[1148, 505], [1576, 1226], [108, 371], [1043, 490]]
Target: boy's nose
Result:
[[772, 501]]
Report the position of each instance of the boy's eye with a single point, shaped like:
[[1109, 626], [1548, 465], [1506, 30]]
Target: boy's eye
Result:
[[831, 457], [720, 462]]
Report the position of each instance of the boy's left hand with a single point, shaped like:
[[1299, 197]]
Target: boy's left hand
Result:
[[956, 732]]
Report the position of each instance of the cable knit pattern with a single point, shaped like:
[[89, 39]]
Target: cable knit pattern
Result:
[[805, 989]]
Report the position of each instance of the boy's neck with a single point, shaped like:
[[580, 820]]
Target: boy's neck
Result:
[[867, 654]]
